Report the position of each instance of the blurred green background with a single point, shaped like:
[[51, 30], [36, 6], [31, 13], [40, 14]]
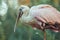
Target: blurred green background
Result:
[[23, 32]]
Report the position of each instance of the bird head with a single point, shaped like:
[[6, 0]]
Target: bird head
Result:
[[23, 9]]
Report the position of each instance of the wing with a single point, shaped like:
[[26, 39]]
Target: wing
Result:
[[50, 15], [46, 15]]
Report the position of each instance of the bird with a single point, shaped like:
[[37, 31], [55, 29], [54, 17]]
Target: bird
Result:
[[42, 17]]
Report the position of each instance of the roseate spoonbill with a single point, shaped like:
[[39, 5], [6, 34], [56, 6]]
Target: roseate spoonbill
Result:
[[42, 16]]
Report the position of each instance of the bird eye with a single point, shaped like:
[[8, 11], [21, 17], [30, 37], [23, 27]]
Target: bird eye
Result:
[[21, 8], [20, 13]]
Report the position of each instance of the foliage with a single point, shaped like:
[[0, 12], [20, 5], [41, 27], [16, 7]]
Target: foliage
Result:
[[24, 32]]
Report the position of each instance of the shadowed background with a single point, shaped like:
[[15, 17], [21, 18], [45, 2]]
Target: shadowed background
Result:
[[23, 32]]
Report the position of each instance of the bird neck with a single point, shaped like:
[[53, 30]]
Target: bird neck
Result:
[[26, 14], [26, 17]]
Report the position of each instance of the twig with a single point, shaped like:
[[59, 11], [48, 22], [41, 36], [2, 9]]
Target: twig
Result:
[[44, 35]]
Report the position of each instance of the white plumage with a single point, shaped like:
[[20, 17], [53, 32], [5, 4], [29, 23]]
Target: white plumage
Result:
[[38, 16], [44, 12]]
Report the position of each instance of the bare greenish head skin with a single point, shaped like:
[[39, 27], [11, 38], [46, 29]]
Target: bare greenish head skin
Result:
[[23, 10]]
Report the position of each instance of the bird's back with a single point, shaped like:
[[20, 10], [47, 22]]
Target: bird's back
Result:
[[47, 14]]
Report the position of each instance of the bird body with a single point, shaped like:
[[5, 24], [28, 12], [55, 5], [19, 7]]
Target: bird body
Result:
[[49, 14], [41, 13], [42, 17]]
